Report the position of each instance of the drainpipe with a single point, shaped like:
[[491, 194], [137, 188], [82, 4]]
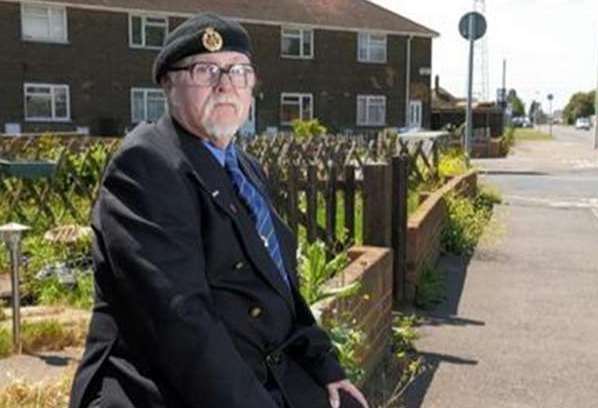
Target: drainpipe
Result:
[[408, 81]]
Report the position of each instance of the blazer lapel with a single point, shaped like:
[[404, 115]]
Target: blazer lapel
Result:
[[214, 179]]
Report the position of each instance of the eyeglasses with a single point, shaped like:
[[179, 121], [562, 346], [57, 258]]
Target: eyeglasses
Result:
[[209, 74]]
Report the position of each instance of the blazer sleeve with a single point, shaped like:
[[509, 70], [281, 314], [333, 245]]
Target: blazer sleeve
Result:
[[151, 232], [313, 349]]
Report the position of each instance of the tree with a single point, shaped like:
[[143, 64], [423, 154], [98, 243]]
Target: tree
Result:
[[517, 106], [580, 105]]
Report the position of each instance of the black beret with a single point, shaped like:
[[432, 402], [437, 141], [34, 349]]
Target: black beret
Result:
[[202, 33]]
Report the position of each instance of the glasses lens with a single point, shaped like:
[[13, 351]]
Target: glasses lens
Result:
[[242, 75], [205, 74]]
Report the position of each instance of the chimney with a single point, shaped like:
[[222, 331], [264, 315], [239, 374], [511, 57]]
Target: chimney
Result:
[[436, 83]]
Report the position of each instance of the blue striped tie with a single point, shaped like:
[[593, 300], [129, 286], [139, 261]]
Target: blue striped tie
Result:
[[259, 209]]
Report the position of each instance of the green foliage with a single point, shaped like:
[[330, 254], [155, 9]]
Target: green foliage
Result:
[[517, 106], [404, 334], [347, 340], [466, 220], [5, 342], [315, 270], [304, 129], [508, 140], [52, 292], [431, 288], [452, 163], [581, 104]]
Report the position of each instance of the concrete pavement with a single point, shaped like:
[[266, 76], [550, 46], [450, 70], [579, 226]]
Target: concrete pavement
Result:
[[520, 327]]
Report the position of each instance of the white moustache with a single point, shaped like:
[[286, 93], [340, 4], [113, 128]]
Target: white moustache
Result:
[[220, 100]]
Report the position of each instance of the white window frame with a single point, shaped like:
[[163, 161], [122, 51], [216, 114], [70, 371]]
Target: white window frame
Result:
[[145, 23], [300, 36], [49, 10], [145, 92], [364, 40], [52, 117], [369, 100], [300, 96]]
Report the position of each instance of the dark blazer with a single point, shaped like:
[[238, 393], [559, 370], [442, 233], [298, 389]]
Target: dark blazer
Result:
[[190, 310]]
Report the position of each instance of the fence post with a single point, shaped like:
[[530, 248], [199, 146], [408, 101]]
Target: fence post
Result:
[[377, 214], [400, 174]]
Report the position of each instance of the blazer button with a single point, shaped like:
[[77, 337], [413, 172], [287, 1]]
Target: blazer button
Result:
[[255, 312], [239, 265]]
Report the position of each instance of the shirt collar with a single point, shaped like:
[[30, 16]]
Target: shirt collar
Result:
[[218, 153]]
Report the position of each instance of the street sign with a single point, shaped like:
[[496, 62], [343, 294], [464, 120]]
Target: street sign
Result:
[[478, 25], [550, 97]]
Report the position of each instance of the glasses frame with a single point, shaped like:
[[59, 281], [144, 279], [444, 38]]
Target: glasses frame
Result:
[[190, 68]]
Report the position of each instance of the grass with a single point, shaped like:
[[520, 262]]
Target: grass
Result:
[[523, 135], [44, 335], [25, 395], [431, 288]]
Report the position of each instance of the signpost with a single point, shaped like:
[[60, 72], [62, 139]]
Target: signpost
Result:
[[550, 97], [472, 27]]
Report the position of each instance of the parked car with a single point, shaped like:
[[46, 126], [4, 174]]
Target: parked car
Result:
[[583, 123], [521, 121]]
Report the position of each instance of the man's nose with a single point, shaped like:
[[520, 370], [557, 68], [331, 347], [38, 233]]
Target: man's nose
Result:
[[224, 84]]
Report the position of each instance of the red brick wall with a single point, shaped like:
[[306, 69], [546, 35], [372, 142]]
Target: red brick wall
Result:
[[424, 228], [371, 307]]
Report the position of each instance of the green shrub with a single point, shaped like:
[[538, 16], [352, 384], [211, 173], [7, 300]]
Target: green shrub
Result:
[[508, 140], [52, 292], [304, 129], [5, 342], [431, 288], [347, 340], [467, 219], [452, 163], [315, 270], [404, 334]]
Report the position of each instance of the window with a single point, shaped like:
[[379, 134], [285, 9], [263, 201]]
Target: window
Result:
[[295, 106], [43, 23], [147, 104], [415, 114], [297, 42], [47, 102], [371, 110], [371, 47], [147, 32]]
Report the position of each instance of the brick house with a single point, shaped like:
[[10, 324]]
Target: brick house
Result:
[[86, 64]]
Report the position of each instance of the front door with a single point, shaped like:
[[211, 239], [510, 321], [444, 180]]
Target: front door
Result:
[[415, 114]]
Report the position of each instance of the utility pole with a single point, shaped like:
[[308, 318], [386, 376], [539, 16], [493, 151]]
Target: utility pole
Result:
[[596, 108]]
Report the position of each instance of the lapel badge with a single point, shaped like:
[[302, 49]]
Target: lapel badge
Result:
[[212, 40]]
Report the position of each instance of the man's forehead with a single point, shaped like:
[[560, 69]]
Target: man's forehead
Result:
[[219, 57]]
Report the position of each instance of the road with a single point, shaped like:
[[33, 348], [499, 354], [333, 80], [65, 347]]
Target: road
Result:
[[520, 325]]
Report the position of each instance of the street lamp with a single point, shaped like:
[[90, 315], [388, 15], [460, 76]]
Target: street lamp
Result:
[[550, 97]]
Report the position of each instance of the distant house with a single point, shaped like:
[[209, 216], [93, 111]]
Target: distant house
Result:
[[86, 64], [448, 110]]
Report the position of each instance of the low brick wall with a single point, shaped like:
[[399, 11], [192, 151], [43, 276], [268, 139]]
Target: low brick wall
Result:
[[371, 306], [488, 149], [424, 228]]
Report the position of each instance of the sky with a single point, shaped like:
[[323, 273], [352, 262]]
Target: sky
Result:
[[551, 46]]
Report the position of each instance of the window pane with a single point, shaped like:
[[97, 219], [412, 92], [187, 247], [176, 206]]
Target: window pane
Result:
[[156, 20], [307, 43], [307, 111], [155, 109], [361, 111], [38, 89], [378, 53], [290, 46], [154, 36], [57, 24], [36, 27], [289, 109], [60, 103], [138, 113], [136, 30], [39, 106], [291, 32]]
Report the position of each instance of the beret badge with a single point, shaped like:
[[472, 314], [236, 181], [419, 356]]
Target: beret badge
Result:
[[212, 40]]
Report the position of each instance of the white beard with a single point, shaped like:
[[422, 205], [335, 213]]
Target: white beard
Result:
[[216, 131]]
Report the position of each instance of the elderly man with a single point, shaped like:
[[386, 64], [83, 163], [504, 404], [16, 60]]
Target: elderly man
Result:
[[197, 302]]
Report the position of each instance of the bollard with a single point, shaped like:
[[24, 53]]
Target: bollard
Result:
[[11, 234]]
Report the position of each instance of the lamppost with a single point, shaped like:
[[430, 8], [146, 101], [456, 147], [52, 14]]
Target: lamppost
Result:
[[11, 234], [550, 97]]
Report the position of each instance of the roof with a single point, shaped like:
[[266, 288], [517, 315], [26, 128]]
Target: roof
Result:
[[332, 14]]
